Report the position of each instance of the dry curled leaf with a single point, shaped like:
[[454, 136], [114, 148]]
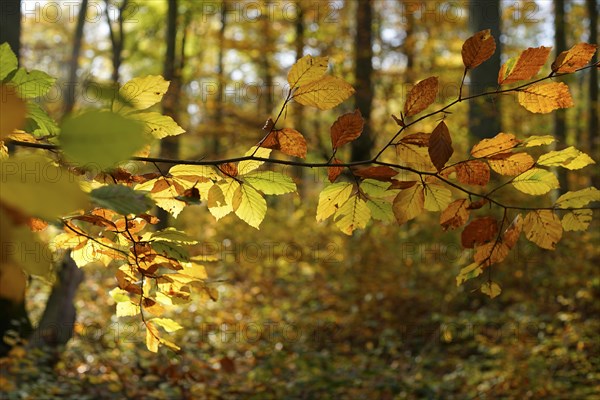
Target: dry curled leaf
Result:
[[576, 57], [421, 96], [478, 48]]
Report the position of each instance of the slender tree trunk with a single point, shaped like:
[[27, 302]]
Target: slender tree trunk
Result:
[[593, 116], [71, 86], [169, 146], [220, 104], [117, 38], [10, 24], [560, 116], [265, 62], [363, 66], [298, 109], [484, 112]]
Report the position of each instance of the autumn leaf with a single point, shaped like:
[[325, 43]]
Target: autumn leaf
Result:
[[536, 181], [346, 128], [492, 289], [533, 141], [333, 172], [437, 197], [494, 146], [511, 164], [490, 253], [479, 231], [249, 205], [579, 198], [577, 220], [455, 215], [473, 172], [325, 93], [543, 227], [569, 158], [524, 66], [291, 142], [440, 146], [353, 214], [478, 48], [306, 70], [512, 233], [408, 204], [576, 57], [543, 98], [379, 172], [331, 197], [420, 139], [141, 93], [421, 96], [12, 112]]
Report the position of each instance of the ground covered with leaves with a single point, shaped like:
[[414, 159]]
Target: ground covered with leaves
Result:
[[306, 312]]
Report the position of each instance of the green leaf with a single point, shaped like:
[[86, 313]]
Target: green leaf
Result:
[[122, 199], [375, 188], [569, 158], [492, 289], [101, 139], [119, 295], [306, 70], [437, 197], [249, 205], [579, 198], [8, 61], [536, 181], [172, 235], [158, 125], [247, 166], [331, 197], [38, 122], [325, 93], [30, 85], [37, 187], [217, 205], [167, 324], [469, 272], [142, 93], [381, 210], [171, 250], [352, 215], [270, 182]]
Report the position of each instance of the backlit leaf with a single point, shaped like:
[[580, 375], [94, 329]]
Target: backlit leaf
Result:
[[478, 48], [333, 172], [490, 253], [39, 122], [576, 57], [325, 93], [494, 146], [409, 203], [194, 172], [533, 141], [440, 146], [491, 289], [8, 60], [346, 128], [379, 172], [437, 197], [579, 198], [152, 338], [142, 93], [455, 215], [167, 324], [127, 309], [32, 84], [479, 231], [524, 66], [536, 181], [569, 158], [421, 96], [353, 214], [543, 227], [375, 188], [247, 166], [306, 70], [469, 272], [545, 97], [577, 220], [511, 165], [121, 199], [249, 205], [270, 182], [381, 209], [474, 172], [158, 125], [217, 205], [291, 142], [331, 197], [12, 111]]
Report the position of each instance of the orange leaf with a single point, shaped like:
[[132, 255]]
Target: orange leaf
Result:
[[455, 215], [512, 233], [473, 172], [478, 48], [12, 112], [574, 58], [525, 66], [490, 253], [494, 146], [380, 173], [420, 139], [545, 97], [421, 96], [440, 146], [334, 172], [479, 231], [229, 169], [511, 164], [476, 205], [291, 142], [346, 128]]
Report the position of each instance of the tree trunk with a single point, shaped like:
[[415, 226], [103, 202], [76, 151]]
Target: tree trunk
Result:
[[117, 38], [363, 66], [594, 129], [10, 24], [71, 85], [484, 112], [560, 121], [219, 107], [298, 108]]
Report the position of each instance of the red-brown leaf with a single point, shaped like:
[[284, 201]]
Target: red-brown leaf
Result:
[[479, 231], [334, 172], [473, 172], [379, 172], [440, 146], [347, 128]]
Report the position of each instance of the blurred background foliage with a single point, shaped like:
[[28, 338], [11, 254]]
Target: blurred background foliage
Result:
[[304, 311]]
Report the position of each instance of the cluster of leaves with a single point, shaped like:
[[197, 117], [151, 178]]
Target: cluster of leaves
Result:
[[154, 269]]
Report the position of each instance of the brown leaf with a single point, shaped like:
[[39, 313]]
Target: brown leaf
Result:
[[512, 233], [511, 164], [473, 172], [440, 146], [476, 205], [421, 96], [545, 97], [334, 172], [36, 224], [291, 142], [523, 67], [478, 48], [229, 169], [269, 125], [398, 120], [396, 184], [490, 253], [420, 139], [455, 215], [347, 128], [379, 172], [494, 146], [574, 58], [479, 231]]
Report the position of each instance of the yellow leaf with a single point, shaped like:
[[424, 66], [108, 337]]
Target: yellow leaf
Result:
[[525, 66], [533, 141], [469, 272], [142, 93], [490, 253], [249, 205], [127, 309], [12, 111], [494, 146], [421, 96], [324, 93], [511, 165], [492, 289], [353, 214], [536, 181], [545, 97], [194, 172], [414, 156], [579, 198], [478, 48], [577, 220], [574, 58], [437, 197], [409, 203], [455, 215], [250, 165], [167, 324], [306, 70], [569, 158], [152, 338], [543, 227], [216, 202], [331, 197], [165, 197], [158, 125]]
